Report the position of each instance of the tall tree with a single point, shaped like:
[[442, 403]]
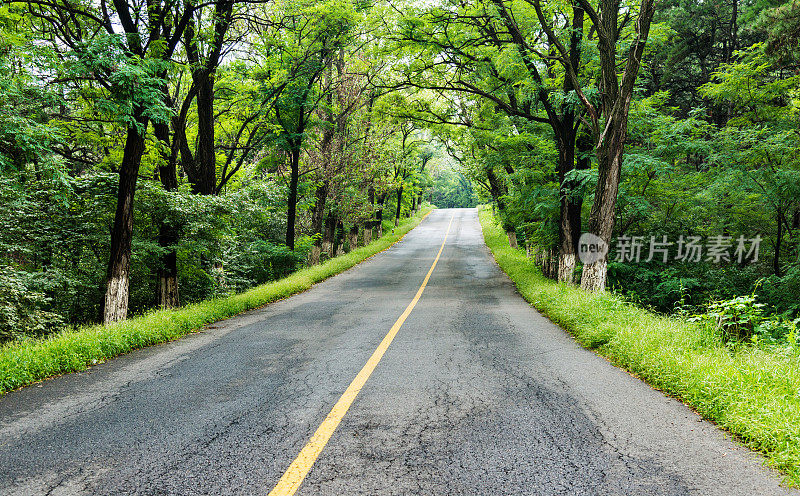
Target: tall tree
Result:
[[481, 51], [608, 120], [295, 52], [123, 48]]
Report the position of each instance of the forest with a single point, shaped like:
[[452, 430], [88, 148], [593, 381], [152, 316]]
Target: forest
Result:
[[161, 152]]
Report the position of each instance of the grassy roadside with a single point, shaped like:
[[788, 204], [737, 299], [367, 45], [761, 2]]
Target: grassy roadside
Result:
[[753, 392], [23, 363]]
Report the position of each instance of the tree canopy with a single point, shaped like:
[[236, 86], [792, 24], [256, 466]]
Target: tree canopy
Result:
[[157, 153]]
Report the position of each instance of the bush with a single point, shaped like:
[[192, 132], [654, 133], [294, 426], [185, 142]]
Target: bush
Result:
[[663, 287], [743, 319], [23, 307], [261, 261], [782, 292]]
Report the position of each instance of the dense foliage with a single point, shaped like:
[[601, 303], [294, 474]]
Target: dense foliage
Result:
[[711, 138], [190, 151], [153, 155]]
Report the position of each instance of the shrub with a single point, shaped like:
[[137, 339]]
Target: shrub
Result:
[[23, 308], [744, 319]]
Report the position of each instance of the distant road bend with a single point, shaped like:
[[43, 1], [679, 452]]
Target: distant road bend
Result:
[[420, 371]]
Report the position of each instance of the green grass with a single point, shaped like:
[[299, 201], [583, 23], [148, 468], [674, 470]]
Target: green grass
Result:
[[23, 363], [753, 392]]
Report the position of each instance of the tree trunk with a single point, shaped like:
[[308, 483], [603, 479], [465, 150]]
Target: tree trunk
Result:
[[352, 238], [318, 213], [610, 134], [567, 228], [205, 166], [329, 235], [542, 262], [379, 215], [566, 267], [369, 223], [601, 219], [317, 221], [571, 205], [291, 216], [512, 239], [547, 263], [339, 242], [566, 132], [776, 261], [203, 171], [168, 291], [168, 294], [496, 189], [117, 287], [314, 255], [367, 233], [399, 205]]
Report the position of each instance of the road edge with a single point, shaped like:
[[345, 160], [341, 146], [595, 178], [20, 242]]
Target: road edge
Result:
[[72, 350], [709, 381]]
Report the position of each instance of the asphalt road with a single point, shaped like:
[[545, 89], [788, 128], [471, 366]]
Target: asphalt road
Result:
[[478, 394]]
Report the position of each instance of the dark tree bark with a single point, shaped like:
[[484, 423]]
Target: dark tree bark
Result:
[[291, 215], [611, 132], [571, 205], [168, 293], [568, 228], [317, 221], [566, 132], [379, 215], [329, 236], [202, 170], [399, 205], [117, 286], [496, 189], [601, 219], [371, 222]]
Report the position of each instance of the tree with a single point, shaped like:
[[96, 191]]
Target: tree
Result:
[[295, 51], [608, 120], [125, 58]]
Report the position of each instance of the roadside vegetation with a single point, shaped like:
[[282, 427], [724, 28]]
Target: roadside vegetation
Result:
[[159, 154], [24, 362], [751, 388], [173, 155]]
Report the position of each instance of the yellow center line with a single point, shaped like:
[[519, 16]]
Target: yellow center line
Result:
[[297, 471]]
